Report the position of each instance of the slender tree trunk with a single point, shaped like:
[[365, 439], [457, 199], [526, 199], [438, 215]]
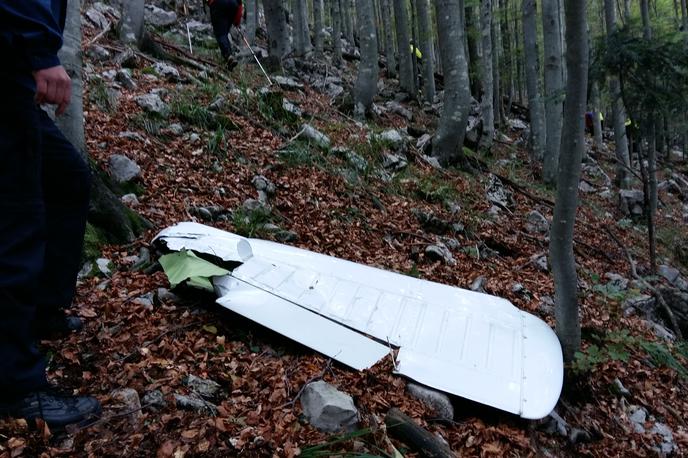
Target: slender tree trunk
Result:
[[349, 22], [530, 48], [406, 78], [251, 20], [627, 11], [447, 145], [496, 60], [554, 88], [623, 157], [278, 33], [131, 24], [388, 21], [652, 198], [645, 15], [302, 37], [596, 121], [366, 83], [318, 26], [572, 147], [425, 35], [487, 108], [508, 53], [474, 64], [336, 34]]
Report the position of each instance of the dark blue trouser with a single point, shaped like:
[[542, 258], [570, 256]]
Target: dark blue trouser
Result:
[[44, 190], [222, 14]]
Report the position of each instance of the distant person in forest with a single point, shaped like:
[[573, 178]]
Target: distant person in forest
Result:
[[44, 195], [223, 15]]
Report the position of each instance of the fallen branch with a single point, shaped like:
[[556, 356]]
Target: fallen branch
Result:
[[657, 294], [405, 429]]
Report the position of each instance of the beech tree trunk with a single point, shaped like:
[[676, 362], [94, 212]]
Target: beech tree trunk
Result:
[[131, 24], [554, 87], [336, 33], [596, 121], [278, 33], [366, 83], [572, 148], [302, 40], [623, 159], [406, 77], [530, 50], [251, 20], [425, 43], [487, 108], [447, 145], [390, 51], [318, 25]]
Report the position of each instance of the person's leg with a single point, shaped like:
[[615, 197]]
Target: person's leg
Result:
[[66, 182], [22, 243], [221, 19]]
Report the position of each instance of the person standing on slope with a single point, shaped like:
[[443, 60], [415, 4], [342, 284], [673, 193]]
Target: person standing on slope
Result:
[[223, 15]]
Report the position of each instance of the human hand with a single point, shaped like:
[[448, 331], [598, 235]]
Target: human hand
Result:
[[54, 87]]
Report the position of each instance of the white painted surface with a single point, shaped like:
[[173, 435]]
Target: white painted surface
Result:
[[469, 344]]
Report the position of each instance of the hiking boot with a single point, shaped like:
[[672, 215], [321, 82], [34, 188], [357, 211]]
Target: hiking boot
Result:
[[231, 63], [59, 325], [57, 410]]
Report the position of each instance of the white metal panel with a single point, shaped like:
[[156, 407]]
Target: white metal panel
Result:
[[205, 239], [470, 344], [299, 324]]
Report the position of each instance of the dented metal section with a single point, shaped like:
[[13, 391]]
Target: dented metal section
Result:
[[469, 344]]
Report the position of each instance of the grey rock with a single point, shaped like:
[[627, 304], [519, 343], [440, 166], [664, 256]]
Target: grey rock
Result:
[[86, 271], [122, 169], [124, 78], [328, 409], [554, 424], [478, 284], [218, 104], [287, 83], [497, 194], [98, 53], [286, 236], [617, 280], [668, 445], [671, 274], [631, 202], [254, 205], [97, 18], [394, 162], [194, 138], [451, 243], [518, 288], [540, 262], [166, 71], [129, 135], [195, 404], [103, 266], [146, 301], [397, 108], [639, 304], [638, 417], [289, 107], [176, 129], [517, 124], [207, 389], [440, 252], [264, 187], [586, 187], [144, 260], [356, 161], [546, 305], [391, 137], [155, 399], [159, 17], [423, 143], [152, 103], [130, 200], [198, 26], [165, 295], [109, 74], [128, 401], [313, 134], [579, 436], [659, 330], [536, 223], [438, 401]]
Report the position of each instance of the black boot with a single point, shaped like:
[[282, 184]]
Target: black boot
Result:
[[57, 410], [57, 325]]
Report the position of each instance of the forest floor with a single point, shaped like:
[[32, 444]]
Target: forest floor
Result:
[[335, 208]]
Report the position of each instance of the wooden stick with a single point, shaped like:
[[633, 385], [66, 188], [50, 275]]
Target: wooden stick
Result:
[[419, 439]]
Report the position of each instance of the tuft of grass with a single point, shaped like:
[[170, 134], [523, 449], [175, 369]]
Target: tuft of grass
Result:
[[432, 189], [217, 144], [189, 111], [102, 96], [250, 223], [299, 154], [152, 125]]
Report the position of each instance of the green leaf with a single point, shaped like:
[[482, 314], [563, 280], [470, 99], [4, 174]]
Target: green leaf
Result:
[[185, 265]]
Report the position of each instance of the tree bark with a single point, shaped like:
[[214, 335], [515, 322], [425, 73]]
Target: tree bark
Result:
[[425, 42], [336, 34], [403, 427], [447, 145], [278, 33], [486, 105], [473, 57], [497, 53], [302, 39], [131, 24], [596, 121], [368, 69], [572, 147], [623, 158], [530, 50], [388, 21], [406, 77], [251, 20], [554, 87], [645, 16], [318, 25]]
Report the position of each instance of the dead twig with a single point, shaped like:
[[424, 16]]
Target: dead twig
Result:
[[292, 403]]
